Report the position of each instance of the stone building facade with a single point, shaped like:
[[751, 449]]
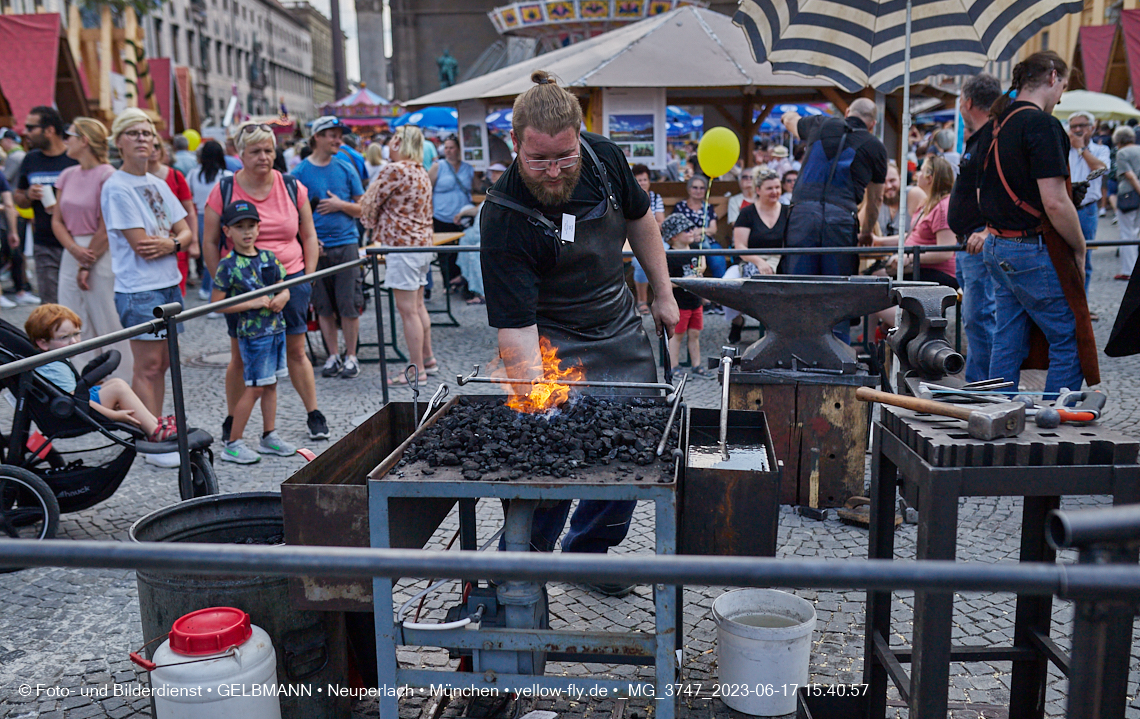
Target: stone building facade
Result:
[[256, 47], [320, 30]]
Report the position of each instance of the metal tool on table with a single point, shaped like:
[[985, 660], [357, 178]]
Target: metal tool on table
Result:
[[1071, 407], [727, 355], [435, 402], [987, 422], [412, 376]]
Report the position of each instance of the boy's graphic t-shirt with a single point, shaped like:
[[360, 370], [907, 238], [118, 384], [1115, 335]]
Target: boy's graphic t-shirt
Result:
[[238, 274]]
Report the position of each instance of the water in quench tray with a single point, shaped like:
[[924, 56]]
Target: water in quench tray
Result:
[[741, 458]]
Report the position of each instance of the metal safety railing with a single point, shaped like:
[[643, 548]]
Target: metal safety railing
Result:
[[171, 315]]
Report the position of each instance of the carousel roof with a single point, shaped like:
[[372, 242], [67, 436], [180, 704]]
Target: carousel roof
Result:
[[363, 96]]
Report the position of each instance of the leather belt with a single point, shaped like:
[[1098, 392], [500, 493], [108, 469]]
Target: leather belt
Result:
[[1030, 235]]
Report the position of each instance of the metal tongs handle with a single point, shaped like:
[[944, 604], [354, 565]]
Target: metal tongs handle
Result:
[[435, 401], [726, 357], [672, 414], [474, 377]]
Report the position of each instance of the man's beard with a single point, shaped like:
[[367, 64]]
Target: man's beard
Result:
[[38, 142], [545, 195]]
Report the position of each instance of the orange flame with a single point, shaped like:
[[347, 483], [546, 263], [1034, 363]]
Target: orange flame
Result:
[[542, 397]]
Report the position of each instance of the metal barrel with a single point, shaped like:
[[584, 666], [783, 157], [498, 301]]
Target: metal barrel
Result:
[[311, 649]]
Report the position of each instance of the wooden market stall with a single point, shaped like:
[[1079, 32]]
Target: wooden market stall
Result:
[[39, 69]]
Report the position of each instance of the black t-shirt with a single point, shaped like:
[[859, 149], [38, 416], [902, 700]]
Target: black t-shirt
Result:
[[1033, 146], [41, 169], [869, 164], [517, 253], [964, 214], [760, 236], [684, 265]]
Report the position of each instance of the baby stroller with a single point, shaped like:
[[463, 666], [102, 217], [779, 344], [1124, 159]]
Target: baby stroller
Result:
[[37, 481]]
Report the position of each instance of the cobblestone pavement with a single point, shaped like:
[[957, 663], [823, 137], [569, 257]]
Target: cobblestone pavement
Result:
[[71, 630]]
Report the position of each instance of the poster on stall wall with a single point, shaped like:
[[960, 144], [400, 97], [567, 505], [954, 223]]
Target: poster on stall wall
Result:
[[118, 92], [634, 118], [473, 134]]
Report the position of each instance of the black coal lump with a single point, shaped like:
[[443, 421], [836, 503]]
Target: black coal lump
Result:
[[488, 438]]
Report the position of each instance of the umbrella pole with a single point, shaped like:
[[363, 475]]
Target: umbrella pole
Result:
[[904, 218]]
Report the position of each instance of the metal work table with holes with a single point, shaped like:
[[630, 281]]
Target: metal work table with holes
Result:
[[655, 648], [936, 459]]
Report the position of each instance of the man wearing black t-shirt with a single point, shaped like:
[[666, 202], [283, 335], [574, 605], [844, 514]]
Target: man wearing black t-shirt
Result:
[[844, 161], [553, 229], [42, 166], [1022, 182]]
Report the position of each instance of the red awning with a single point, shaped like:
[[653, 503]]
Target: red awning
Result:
[[163, 79], [31, 54], [1130, 27], [1096, 46]]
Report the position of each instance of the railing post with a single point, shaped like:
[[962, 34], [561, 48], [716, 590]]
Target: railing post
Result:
[[169, 313], [381, 347]]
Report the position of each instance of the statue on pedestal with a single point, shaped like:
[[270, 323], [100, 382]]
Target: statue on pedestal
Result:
[[448, 69]]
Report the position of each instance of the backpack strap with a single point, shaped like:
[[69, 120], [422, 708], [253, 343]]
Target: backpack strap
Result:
[[993, 152]]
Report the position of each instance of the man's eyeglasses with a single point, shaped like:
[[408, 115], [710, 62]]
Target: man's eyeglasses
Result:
[[563, 163], [29, 127], [1079, 127], [137, 135]]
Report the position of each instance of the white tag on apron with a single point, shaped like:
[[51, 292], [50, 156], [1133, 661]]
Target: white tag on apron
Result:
[[568, 227]]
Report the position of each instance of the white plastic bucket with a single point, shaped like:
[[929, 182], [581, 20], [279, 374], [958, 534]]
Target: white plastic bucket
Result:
[[760, 667], [239, 681]]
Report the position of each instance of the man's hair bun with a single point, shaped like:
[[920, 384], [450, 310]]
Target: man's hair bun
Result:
[[542, 77]]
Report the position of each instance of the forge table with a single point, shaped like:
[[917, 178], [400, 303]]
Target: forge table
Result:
[[656, 648], [936, 459]]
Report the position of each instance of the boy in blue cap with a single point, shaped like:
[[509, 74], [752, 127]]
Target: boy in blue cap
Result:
[[260, 332]]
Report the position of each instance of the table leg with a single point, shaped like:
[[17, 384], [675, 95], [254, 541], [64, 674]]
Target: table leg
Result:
[[1033, 614], [934, 611], [880, 545]]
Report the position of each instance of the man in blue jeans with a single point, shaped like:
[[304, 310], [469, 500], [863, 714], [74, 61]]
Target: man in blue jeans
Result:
[[978, 94], [1085, 156], [1022, 182]]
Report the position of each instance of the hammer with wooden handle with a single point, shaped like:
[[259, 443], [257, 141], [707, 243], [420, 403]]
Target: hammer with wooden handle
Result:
[[986, 423]]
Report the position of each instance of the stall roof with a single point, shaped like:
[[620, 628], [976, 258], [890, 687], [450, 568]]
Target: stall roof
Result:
[[39, 68], [689, 47]]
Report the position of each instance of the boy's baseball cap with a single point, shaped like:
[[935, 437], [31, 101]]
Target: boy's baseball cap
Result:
[[326, 122], [239, 210], [674, 225], [9, 134]]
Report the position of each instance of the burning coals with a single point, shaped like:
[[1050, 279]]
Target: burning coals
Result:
[[479, 437]]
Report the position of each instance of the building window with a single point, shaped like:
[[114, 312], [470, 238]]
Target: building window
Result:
[[158, 38], [218, 53], [174, 43], [230, 61]]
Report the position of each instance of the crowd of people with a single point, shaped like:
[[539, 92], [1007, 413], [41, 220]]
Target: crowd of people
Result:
[[122, 222]]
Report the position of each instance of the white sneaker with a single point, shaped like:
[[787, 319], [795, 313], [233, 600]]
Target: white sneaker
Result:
[[165, 459], [7, 303], [27, 298], [213, 315], [203, 294]]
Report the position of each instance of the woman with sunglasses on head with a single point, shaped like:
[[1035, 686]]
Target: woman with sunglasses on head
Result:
[[86, 280], [288, 232], [146, 228], [451, 181], [176, 181]]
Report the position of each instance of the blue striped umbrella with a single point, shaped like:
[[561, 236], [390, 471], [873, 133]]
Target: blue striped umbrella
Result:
[[860, 43]]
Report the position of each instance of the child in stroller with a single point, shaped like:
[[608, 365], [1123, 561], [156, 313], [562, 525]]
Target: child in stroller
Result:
[[54, 326]]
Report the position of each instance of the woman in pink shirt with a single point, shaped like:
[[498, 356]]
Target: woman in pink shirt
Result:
[[86, 281], [287, 231], [929, 227]]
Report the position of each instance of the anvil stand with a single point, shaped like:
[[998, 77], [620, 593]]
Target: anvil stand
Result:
[[804, 378]]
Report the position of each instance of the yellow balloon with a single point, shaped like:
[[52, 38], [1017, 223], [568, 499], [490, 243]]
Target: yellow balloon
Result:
[[192, 138], [718, 151], [26, 213]]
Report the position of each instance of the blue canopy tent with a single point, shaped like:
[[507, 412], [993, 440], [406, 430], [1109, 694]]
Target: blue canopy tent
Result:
[[439, 118]]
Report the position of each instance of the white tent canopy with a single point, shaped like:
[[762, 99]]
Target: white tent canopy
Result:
[[689, 47], [1102, 106]]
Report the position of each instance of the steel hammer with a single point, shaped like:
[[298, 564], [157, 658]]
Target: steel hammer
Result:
[[987, 422]]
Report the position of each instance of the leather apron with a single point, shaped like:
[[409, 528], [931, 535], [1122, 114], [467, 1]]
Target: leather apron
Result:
[[585, 308]]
